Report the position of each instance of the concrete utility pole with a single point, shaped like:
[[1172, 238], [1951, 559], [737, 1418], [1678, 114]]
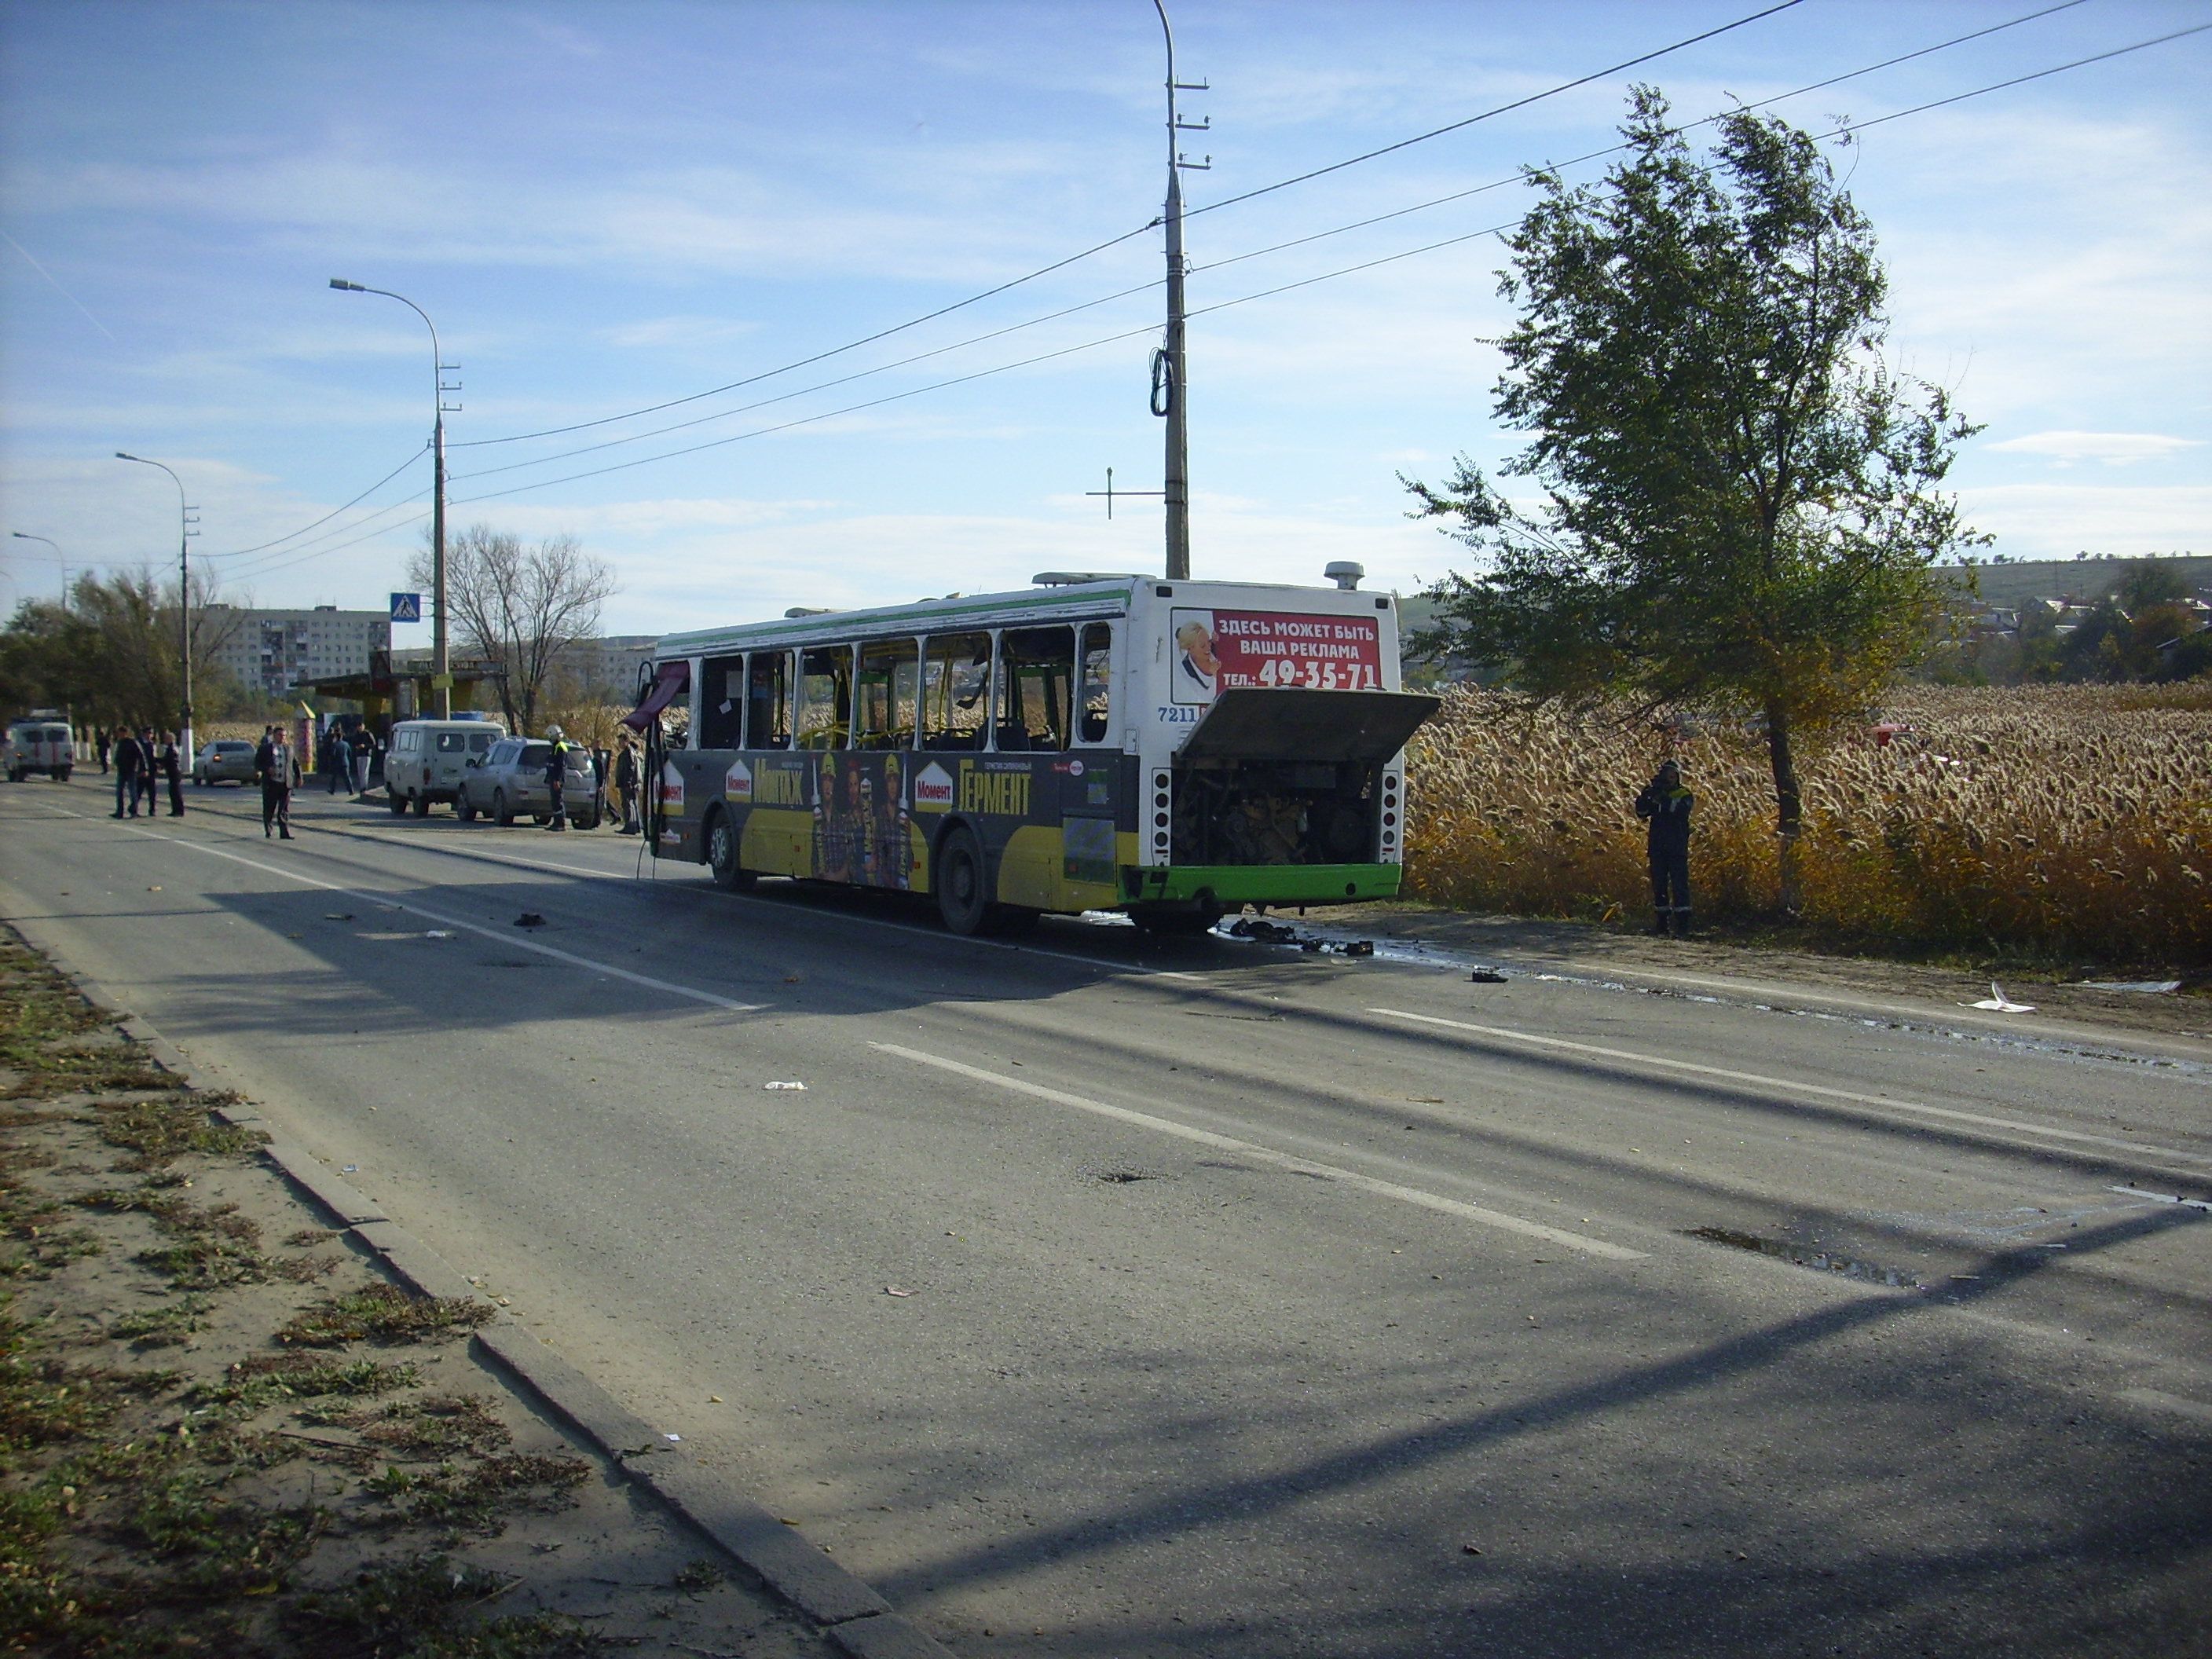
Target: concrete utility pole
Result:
[[185, 533], [1168, 381], [442, 674]]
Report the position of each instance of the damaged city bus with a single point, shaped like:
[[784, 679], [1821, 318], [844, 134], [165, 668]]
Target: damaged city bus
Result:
[[1167, 748]]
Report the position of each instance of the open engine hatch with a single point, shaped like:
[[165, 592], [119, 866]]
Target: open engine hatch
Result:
[[1248, 722]]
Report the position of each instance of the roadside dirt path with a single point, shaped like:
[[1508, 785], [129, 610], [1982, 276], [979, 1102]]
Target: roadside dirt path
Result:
[[224, 1430]]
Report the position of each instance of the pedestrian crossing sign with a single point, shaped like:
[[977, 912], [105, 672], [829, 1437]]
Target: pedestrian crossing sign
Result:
[[407, 607]]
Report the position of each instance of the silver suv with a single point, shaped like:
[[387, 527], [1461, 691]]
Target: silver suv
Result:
[[509, 783]]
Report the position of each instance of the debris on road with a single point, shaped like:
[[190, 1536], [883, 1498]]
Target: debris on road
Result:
[[338, 916], [2148, 987], [530, 919], [437, 932], [793, 1083], [1265, 932], [1997, 1003], [893, 1290], [1487, 977]]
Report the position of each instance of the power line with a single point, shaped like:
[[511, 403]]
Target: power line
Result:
[[819, 356], [241, 552], [1058, 264], [1309, 281], [1360, 224], [1503, 109], [1331, 275]]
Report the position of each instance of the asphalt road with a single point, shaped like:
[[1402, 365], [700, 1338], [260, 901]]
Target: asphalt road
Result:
[[1102, 1296]]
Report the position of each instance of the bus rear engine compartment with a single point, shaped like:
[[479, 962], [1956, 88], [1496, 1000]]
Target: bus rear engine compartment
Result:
[[1275, 812]]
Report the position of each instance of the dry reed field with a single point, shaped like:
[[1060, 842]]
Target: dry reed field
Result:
[[2069, 821]]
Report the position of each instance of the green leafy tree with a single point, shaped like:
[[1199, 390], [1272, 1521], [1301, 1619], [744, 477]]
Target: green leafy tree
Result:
[[1738, 505], [110, 655]]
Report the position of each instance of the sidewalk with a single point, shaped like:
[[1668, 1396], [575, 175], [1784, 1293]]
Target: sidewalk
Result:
[[232, 1421]]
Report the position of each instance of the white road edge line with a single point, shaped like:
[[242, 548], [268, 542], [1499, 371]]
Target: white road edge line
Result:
[[605, 967], [2159, 1399], [2164, 1198], [1207, 1138], [1790, 1087]]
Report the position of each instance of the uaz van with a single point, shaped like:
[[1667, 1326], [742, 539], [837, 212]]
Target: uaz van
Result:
[[40, 742], [427, 758]]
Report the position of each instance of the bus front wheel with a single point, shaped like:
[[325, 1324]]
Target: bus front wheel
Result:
[[722, 856], [962, 883]]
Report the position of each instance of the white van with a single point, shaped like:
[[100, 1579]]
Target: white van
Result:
[[427, 758], [40, 742]]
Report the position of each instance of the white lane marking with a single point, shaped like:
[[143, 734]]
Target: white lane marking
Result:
[[1790, 1087], [606, 968], [2161, 1401], [1414, 1196], [2163, 1198]]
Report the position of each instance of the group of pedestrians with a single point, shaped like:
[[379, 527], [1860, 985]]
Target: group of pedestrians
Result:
[[141, 764], [343, 758]]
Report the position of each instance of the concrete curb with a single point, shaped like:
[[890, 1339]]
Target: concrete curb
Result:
[[848, 1613]]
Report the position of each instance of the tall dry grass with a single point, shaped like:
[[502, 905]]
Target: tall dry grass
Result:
[[2060, 819]]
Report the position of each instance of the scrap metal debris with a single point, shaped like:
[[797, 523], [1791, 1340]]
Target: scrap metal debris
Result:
[[1275, 933]]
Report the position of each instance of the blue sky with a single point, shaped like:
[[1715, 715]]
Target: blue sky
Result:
[[605, 206]]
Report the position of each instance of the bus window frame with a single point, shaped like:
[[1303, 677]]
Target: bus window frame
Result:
[[728, 730], [889, 739], [985, 697], [843, 689], [1081, 685], [775, 741], [1007, 680]]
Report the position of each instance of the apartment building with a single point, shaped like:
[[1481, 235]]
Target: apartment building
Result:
[[272, 651]]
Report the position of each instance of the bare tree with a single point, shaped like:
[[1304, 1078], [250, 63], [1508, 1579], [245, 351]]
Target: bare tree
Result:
[[519, 607]]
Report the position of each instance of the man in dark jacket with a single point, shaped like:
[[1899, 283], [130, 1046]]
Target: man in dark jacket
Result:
[[170, 762], [273, 761], [556, 776], [1665, 806], [626, 783], [128, 759]]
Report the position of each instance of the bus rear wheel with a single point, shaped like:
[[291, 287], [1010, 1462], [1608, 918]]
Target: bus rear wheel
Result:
[[722, 856], [962, 883]]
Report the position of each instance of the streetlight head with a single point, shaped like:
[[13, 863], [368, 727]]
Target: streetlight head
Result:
[[120, 456], [350, 288]]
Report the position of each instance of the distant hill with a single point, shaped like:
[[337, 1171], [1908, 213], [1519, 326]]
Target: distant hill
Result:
[[2089, 579]]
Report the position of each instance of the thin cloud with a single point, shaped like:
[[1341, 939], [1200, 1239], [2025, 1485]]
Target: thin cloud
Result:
[[2113, 448]]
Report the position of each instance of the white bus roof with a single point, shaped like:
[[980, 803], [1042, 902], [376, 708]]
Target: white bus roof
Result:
[[1059, 602]]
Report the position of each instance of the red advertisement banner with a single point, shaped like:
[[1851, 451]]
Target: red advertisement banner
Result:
[[1217, 649]]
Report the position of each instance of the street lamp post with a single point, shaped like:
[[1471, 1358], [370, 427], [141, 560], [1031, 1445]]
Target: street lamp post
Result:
[[442, 679], [184, 600], [60, 557]]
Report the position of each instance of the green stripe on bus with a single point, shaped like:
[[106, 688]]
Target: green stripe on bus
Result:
[[1262, 884]]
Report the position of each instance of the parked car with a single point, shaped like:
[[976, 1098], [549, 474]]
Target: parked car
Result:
[[226, 760], [509, 782], [428, 758], [40, 742]]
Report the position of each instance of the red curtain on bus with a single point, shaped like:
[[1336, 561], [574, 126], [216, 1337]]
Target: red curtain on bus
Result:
[[673, 680]]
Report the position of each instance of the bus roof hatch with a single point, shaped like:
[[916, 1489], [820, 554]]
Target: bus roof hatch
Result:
[[1248, 722]]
